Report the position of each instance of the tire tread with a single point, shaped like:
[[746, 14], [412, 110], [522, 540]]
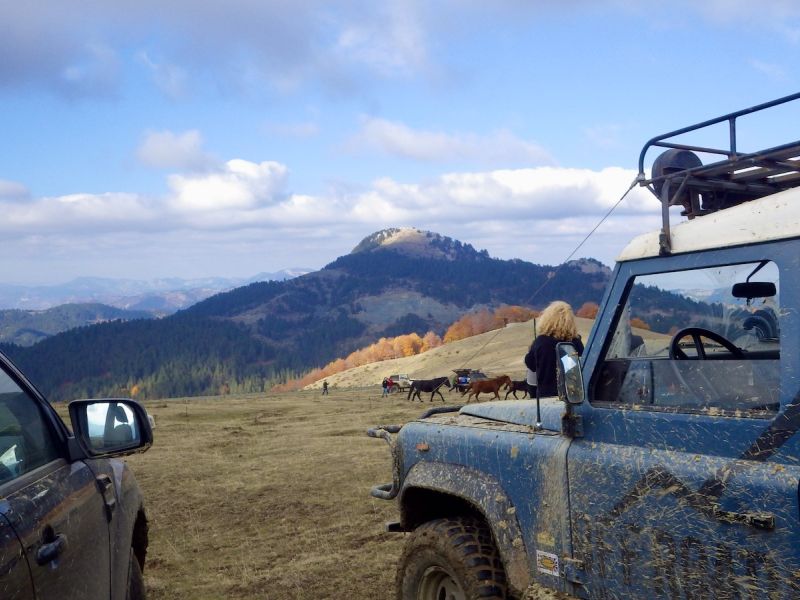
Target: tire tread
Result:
[[467, 542]]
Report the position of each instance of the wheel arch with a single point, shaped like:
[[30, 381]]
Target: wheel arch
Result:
[[437, 490], [140, 538]]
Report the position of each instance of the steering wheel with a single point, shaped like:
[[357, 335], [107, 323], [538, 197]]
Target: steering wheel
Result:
[[676, 352]]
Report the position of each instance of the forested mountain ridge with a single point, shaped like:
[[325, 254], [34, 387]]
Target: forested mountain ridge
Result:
[[394, 282], [27, 327]]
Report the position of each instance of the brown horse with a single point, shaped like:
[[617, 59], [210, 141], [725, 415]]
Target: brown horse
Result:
[[487, 385]]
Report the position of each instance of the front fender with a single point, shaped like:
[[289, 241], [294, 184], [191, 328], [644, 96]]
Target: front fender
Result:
[[484, 493], [127, 507]]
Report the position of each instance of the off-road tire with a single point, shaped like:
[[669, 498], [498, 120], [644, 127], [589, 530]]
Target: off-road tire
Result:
[[452, 559], [136, 589]]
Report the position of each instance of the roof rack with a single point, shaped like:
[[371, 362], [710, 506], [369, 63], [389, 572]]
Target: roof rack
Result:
[[679, 178]]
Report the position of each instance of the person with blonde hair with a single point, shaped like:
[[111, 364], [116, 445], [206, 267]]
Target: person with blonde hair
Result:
[[556, 324]]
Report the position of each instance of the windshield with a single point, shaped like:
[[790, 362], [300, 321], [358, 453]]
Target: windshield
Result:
[[661, 305], [697, 340]]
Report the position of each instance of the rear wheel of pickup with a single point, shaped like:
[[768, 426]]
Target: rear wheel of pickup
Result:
[[451, 559]]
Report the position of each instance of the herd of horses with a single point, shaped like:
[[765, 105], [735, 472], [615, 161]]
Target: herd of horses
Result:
[[474, 388]]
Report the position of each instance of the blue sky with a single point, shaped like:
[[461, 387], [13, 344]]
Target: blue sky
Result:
[[192, 138]]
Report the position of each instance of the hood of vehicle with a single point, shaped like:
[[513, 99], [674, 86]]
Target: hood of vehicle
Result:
[[519, 412]]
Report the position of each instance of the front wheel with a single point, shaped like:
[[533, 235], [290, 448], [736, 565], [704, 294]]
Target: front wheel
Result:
[[451, 559]]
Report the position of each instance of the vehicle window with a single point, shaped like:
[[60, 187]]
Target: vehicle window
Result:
[[26, 441], [699, 340]]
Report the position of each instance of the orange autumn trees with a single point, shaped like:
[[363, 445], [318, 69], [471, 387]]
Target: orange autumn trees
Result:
[[412, 344], [384, 349], [483, 321], [588, 310]]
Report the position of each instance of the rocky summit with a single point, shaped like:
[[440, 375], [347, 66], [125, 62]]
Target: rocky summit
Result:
[[417, 243]]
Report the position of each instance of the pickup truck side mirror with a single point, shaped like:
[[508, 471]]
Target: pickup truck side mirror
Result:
[[570, 376], [109, 427]]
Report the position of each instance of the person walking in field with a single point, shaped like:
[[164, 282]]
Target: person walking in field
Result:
[[325, 388], [385, 386], [557, 324]]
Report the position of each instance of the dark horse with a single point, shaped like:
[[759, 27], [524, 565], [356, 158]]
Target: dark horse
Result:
[[428, 385], [517, 386]]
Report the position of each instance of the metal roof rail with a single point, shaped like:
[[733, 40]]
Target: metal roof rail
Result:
[[679, 178]]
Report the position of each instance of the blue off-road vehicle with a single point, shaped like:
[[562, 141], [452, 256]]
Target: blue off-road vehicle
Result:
[[669, 467]]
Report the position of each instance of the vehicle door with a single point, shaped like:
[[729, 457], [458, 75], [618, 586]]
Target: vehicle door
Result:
[[54, 507], [685, 482], [15, 577]]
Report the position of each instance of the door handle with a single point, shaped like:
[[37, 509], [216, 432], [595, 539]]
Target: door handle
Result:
[[50, 551], [106, 487]]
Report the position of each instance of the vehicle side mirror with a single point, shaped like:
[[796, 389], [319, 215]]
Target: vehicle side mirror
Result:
[[570, 376], [110, 427]]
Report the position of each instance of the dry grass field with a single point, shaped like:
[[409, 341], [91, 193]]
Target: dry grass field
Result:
[[268, 496]]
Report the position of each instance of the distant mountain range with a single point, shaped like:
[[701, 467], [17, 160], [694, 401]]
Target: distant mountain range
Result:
[[395, 281], [158, 296]]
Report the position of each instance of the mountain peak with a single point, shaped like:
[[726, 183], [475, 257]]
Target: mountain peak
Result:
[[417, 243], [590, 265], [393, 237]]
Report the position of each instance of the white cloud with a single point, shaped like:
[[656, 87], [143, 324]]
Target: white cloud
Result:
[[240, 186], [243, 45], [169, 150], [390, 41], [75, 47], [397, 139], [512, 195], [75, 215], [243, 216]]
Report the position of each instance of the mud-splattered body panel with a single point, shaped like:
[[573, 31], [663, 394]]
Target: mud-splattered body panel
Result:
[[693, 497]]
